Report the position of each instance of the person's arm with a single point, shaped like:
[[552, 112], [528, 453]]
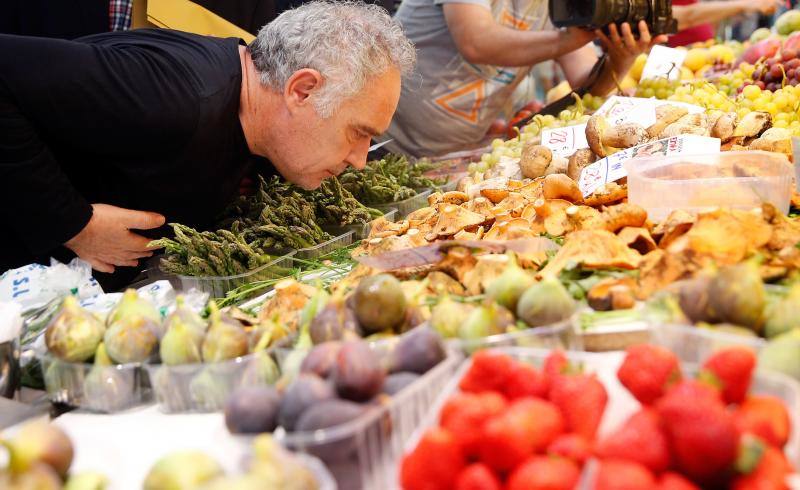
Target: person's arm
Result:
[[481, 40], [689, 16]]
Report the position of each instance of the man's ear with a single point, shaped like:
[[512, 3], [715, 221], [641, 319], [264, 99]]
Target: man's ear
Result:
[[300, 86]]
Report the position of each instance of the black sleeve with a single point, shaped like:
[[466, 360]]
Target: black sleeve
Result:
[[38, 201]]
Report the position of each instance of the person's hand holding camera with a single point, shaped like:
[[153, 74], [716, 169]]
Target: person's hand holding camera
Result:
[[623, 48]]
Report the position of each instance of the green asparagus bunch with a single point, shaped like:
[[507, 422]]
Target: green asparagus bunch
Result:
[[390, 179], [337, 206]]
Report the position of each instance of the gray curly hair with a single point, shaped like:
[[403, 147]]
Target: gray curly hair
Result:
[[347, 42]]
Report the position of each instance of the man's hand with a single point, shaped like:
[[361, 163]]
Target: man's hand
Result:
[[623, 48], [765, 7], [573, 38], [106, 241]]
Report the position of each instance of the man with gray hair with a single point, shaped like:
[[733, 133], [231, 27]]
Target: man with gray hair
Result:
[[124, 131]]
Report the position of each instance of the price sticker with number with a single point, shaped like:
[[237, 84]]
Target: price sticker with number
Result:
[[664, 62], [565, 141]]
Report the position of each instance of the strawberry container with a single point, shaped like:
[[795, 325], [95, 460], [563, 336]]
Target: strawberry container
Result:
[[560, 335]]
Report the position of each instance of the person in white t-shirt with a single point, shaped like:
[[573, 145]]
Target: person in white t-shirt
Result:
[[473, 53]]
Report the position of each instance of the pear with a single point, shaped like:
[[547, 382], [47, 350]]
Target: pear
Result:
[[39, 442]]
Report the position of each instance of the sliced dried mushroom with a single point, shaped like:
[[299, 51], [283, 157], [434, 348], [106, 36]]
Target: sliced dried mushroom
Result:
[[560, 186], [421, 215], [495, 195], [678, 222], [513, 203], [619, 216], [665, 115], [585, 218], [382, 227], [455, 197], [638, 239], [776, 140], [688, 124], [593, 249], [608, 193], [533, 190], [488, 267], [558, 165], [534, 160], [453, 219], [612, 294]]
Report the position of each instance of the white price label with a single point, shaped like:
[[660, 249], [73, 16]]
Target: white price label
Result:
[[565, 141], [664, 62]]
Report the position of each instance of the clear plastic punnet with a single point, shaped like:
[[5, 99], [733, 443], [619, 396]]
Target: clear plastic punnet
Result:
[[217, 286], [407, 206]]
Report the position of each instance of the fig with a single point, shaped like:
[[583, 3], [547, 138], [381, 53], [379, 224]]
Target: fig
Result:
[[784, 315], [358, 374], [261, 370], [321, 359], [131, 339], [182, 470], [267, 333], [73, 334], [87, 481], [210, 388], [38, 477], [329, 413], [545, 303], [39, 442], [509, 286], [305, 391], [186, 316], [225, 339], [333, 322], [448, 315], [252, 410], [418, 351], [379, 303], [106, 388], [693, 298], [314, 305], [781, 354], [182, 343], [736, 295], [396, 382], [486, 320], [132, 305]]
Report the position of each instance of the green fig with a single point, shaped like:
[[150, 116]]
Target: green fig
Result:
[[87, 481], [280, 468], [39, 442], [784, 315], [485, 320], [132, 304], [183, 470], [225, 339], [313, 306], [545, 303], [182, 343], [782, 354], [38, 477], [379, 303], [185, 316], [105, 387], [507, 288], [210, 388], [736, 295], [73, 334], [131, 339], [448, 316], [261, 370]]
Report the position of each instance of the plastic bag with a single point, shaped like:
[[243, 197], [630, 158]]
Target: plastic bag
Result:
[[35, 285], [10, 321]]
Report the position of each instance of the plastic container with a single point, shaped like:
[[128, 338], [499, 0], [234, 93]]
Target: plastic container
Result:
[[325, 248], [360, 230], [561, 335], [362, 454], [105, 389], [731, 179], [406, 207], [217, 286], [695, 344]]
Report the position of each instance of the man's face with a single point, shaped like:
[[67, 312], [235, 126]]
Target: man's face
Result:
[[315, 149]]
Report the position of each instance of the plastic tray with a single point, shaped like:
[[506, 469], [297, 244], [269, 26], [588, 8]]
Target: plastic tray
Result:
[[695, 344], [325, 248], [701, 182], [406, 207], [560, 335], [360, 230], [620, 403], [217, 286], [362, 454], [105, 389]]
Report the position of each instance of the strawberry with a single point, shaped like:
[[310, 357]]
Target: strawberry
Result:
[[770, 474], [478, 476], [731, 369], [675, 481], [701, 433], [525, 380], [693, 389], [434, 464], [555, 363], [465, 414], [489, 372], [528, 426], [641, 440], [617, 474], [582, 399], [765, 417], [571, 446], [648, 371], [543, 473]]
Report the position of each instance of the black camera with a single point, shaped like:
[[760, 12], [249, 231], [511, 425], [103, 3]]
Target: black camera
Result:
[[596, 14]]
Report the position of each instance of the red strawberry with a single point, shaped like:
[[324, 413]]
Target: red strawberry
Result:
[[434, 464], [647, 371], [765, 417], [701, 433], [582, 399], [478, 476], [465, 414], [641, 440], [526, 380], [770, 474], [617, 474], [693, 389], [555, 363], [528, 426], [543, 473], [489, 372], [571, 446], [674, 481], [731, 369]]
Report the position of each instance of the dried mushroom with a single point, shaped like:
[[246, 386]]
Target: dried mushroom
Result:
[[619, 216], [753, 124], [487, 268], [596, 128], [453, 219], [612, 294], [558, 165], [534, 160], [625, 136], [585, 218], [608, 193], [665, 115], [724, 127], [638, 239], [382, 227], [578, 161], [559, 186], [593, 249], [495, 195]]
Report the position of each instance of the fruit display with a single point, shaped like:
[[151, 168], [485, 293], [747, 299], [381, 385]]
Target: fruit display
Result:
[[390, 179], [711, 430]]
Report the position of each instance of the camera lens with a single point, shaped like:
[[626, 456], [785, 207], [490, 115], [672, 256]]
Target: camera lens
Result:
[[595, 14]]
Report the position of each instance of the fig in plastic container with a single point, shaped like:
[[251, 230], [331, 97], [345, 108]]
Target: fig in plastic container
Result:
[[545, 303], [358, 374], [280, 468], [783, 315], [211, 386], [181, 344], [335, 321], [397, 382], [509, 286], [305, 391], [329, 414], [252, 410], [261, 369], [379, 303], [418, 351], [448, 315], [131, 339], [314, 305], [107, 388], [182, 470], [485, 320], [225, 338], [39, 442], [74, 333], [736, 295], [132, 305], [321, 359], [186, 316], [693, 297]]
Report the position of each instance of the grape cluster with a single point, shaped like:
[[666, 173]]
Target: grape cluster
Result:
[[660, 88], [783, 104], [778, 72]]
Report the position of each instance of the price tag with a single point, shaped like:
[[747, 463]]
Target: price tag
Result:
[[664, 62], [565, 141]]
